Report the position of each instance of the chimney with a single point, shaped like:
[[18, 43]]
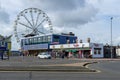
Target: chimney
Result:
[[76, 40], [80, 41], [71, 33], [88, 40]]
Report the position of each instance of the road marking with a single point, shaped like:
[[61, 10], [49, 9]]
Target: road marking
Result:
[[97, 71]]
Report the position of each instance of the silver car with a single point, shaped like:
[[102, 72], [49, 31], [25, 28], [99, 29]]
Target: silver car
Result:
[[44, 55]]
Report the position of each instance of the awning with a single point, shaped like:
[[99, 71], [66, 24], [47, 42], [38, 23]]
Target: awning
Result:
[[71, 50], [75, 50]]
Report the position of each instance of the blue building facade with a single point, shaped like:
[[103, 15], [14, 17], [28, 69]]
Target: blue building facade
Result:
[[3, 45], [3, 48], [62, 39], [36, 44]]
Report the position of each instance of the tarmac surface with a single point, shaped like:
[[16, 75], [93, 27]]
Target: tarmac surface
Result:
[[32, 63], [109, 69]]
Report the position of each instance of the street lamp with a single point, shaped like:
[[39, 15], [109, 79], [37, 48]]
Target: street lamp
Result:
[[111, 37]]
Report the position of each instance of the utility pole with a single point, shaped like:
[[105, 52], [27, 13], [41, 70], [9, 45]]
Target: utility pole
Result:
[[0, 4], [111, 38]]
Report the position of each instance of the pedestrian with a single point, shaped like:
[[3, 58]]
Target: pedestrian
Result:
[[2, 56], [70, 54], [62, 56]]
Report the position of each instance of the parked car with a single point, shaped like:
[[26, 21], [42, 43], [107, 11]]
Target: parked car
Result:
[[44, 55]]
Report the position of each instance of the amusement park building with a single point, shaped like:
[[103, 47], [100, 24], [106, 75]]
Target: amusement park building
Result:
[[36, 44], [66, 43]]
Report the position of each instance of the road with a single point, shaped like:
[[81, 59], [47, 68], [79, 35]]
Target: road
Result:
[[110, 70], [112, 67]]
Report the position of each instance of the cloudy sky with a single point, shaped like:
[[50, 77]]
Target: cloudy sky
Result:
[[86, 18]]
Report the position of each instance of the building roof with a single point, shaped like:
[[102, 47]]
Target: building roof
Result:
[[60, 34]]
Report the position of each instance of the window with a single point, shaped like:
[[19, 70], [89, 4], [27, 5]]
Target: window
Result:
[[49, 38], [39, 40], [46, 38], [26, 41], [30, 41], [56, 39], [97, 51], [67, 40], [43, 39], [35, 40], [22, 43], [2, 43]]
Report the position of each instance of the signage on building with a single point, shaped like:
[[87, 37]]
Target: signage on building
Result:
[[76, 45], [96, 45], [53, 46], [68, 45], [61, 46]]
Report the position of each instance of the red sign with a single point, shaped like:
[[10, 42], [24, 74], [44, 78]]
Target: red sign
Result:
[[75, 45], [97, 45]]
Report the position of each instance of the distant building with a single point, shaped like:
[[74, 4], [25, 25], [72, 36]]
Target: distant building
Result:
[[118, 51], [107, 51], [5, 46]]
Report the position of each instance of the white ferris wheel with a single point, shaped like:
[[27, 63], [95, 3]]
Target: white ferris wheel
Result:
[[32, 22]]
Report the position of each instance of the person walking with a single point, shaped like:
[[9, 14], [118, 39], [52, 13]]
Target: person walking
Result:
[[63, 55]]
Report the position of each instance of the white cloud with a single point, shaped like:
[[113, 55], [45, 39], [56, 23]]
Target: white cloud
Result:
[[4, 17], [63, 12]]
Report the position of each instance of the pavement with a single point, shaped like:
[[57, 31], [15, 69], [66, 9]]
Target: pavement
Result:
[[29, 63]]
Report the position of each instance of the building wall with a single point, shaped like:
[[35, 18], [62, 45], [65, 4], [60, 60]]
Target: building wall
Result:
[[92, 47], [35, 47], [70, 46], [9, 45], [97, 50], [3, 45], [3, 48], [118, 52], [63, 39], [107, 52], [31, 45], [60, 42]]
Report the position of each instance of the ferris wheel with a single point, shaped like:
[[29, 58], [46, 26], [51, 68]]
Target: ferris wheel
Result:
[[32, 22]]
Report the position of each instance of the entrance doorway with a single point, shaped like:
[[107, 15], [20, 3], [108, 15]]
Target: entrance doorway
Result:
[[86, 54]]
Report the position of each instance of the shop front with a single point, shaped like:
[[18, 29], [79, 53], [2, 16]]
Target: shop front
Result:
[[34, 49], [80, 50]]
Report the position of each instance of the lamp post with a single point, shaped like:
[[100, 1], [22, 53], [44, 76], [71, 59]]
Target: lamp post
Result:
[[111, 38]]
